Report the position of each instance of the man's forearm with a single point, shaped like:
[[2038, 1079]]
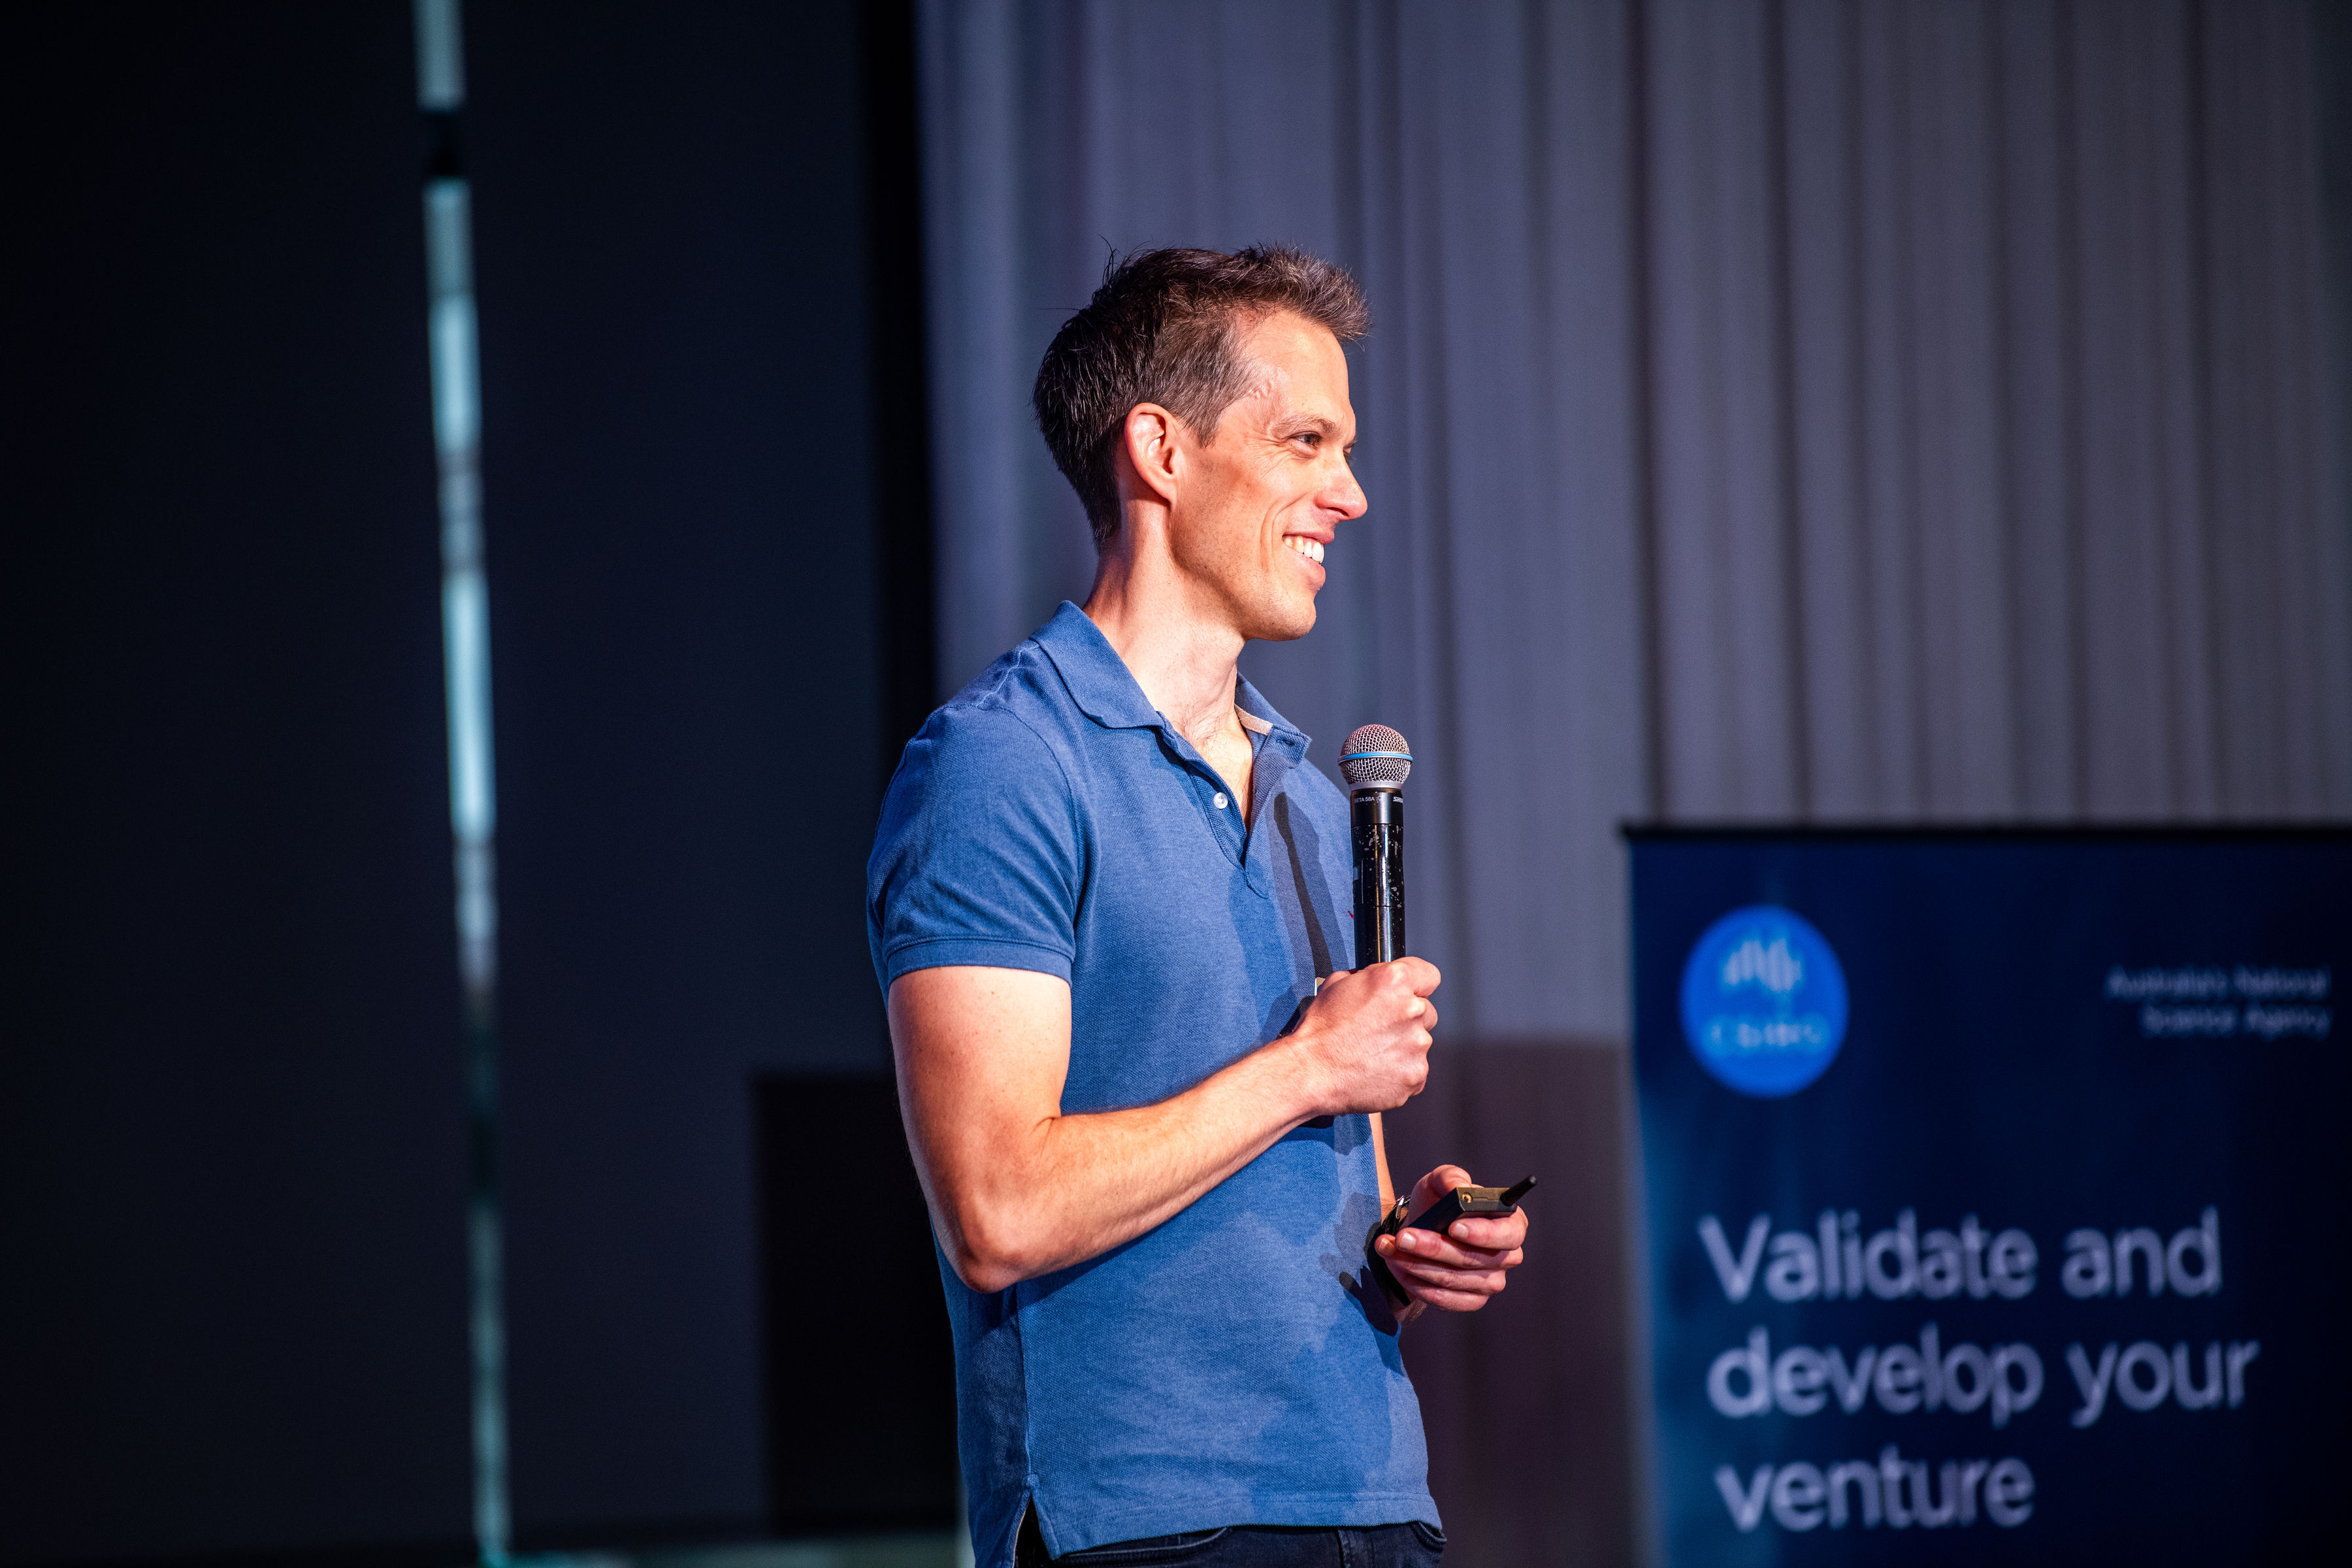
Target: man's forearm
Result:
[[1018, 1189], [1068, 1188]]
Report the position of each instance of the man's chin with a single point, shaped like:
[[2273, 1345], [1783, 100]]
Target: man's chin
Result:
[[1287, 627]]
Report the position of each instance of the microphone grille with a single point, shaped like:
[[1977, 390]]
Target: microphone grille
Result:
[[1375, 755]]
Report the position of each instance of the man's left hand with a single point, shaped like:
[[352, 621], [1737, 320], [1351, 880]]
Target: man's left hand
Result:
[[1459, 1271]]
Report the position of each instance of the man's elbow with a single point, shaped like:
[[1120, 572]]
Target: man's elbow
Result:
[[993, 1251], [987, 1275]]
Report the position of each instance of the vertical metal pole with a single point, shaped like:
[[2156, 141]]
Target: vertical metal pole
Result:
[[473, 782]]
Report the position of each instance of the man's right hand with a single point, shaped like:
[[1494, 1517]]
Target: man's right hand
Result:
[[1366, 1035]]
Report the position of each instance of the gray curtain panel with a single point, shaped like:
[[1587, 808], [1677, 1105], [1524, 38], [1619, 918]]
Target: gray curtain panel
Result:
[[1800, 411]]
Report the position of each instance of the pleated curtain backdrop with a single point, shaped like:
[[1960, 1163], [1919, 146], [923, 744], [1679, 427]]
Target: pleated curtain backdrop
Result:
[[1909, 411]]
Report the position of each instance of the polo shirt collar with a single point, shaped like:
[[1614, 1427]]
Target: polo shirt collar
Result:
[[1106, 691], [1258, 714]]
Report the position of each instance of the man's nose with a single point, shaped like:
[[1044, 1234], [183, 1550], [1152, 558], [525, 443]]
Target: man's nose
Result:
[[1343, 495]]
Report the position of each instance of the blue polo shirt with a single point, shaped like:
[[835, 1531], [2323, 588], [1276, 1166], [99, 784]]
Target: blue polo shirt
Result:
[[1233, 1366]]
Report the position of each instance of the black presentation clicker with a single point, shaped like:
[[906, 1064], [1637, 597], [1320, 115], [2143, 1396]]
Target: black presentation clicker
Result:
[[1477, 1202]]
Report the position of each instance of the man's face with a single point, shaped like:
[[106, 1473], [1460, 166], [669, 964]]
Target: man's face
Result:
[[1259, 504]]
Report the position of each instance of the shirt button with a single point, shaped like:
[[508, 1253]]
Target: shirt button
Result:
[[1220, 798]]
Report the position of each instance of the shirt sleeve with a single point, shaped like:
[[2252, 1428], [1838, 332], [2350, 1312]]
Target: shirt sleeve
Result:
[[978, 860]]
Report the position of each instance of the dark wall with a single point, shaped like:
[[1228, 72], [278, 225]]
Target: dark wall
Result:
[[232, 1187], [679, 487], [863, 1399], [233, 1311]]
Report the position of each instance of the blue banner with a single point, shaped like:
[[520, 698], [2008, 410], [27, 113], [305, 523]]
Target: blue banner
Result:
[[1993, 1193]]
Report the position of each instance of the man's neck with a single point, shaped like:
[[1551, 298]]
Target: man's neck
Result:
[[1187, 662]]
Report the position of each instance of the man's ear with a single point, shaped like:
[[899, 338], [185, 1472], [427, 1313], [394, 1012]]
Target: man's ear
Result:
[[1154, 465]]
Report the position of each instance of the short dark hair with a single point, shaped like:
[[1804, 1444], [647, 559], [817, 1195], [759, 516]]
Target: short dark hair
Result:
[[1162, 329]]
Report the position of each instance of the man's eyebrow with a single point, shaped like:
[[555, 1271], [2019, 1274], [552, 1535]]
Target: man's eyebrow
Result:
[[1322, 423]]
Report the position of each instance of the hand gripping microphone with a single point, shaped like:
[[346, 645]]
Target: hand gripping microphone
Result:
[[1375, 761]]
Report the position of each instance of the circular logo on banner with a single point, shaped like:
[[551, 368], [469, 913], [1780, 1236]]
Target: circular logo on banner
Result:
[[1763, 1002]]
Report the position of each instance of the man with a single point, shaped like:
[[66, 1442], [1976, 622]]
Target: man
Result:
[[1104, 893]]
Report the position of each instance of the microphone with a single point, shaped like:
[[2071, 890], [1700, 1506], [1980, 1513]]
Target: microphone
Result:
[[1375, 761]]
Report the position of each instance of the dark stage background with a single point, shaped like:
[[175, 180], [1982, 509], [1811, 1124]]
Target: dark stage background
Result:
[[1792, 411], [234, 1189]]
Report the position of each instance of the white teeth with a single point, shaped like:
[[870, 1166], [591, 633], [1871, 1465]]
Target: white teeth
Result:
[[1309, 548]]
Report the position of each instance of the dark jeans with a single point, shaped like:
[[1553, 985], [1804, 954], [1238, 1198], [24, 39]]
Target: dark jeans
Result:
[[1414, 1545]]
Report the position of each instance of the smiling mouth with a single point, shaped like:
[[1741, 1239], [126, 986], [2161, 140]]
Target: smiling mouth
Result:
[[1311, 549]]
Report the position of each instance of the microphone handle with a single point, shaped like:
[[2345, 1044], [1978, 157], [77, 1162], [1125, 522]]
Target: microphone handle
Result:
[[1376, 814]]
